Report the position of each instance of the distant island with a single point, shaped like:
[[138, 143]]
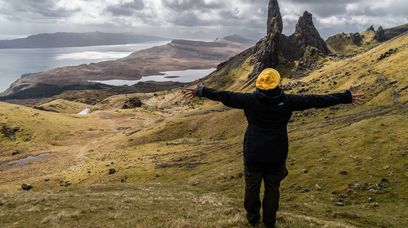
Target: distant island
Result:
[[65, 39]]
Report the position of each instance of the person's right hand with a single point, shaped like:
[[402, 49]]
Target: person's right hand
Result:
[[191, 93]]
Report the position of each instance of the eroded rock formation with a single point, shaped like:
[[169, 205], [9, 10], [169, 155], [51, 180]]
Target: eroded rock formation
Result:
[[307, 35], [303, 45], [266, 51]]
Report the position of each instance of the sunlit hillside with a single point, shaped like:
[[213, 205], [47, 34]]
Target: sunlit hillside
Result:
[[176, 162]]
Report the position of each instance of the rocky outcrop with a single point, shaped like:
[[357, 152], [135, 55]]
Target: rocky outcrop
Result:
[[370, 29], [304, 45], [9, 132], [380, 34], [266, 51], [306, 35], [350, 44], [387, 54], [274, 23], [356, 38], [131, 103]]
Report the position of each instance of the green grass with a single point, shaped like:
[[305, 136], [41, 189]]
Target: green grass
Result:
[[179, 163]]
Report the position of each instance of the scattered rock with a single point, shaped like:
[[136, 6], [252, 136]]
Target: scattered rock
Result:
[[387, 54], [26, 187], [46, 180], [111, 171], [343, 172], [9, 132], [133, 102], [370, 200], [15, 152], [355, 185], [64, 183], [335, 192], [338, 203], [318, 188]]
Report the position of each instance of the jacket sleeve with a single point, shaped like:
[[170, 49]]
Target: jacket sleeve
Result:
[[303, 102], [230, 99]]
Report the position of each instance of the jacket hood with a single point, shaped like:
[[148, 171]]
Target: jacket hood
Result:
[[270, 97]]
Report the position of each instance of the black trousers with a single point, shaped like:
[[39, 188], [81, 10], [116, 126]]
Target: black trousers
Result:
[[272, 175]]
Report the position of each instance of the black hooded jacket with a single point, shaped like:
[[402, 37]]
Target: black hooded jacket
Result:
[[268, 114]]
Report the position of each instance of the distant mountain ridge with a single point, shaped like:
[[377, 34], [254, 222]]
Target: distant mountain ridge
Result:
[[65, 39]]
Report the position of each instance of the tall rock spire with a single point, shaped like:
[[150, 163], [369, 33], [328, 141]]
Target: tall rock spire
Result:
[[274, 23], [266, 51]]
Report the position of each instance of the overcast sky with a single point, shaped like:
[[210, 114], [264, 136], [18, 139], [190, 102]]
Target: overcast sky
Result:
[[199, 19]]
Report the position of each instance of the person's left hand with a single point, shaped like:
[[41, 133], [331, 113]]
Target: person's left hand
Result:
[[357, 99]]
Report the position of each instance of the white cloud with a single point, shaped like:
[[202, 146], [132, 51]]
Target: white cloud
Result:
[[194, 17]]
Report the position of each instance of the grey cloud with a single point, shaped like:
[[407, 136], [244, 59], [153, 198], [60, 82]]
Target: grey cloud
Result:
[[246, 17], [126, 9], [39, 9], [187, 13], [191, 5], [190, 19]]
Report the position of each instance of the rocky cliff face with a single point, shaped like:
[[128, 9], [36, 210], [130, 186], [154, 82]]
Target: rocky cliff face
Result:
[[277, 47], [380, 34], [307, 35], [266, 51]]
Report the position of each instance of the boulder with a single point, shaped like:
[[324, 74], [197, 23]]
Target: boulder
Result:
[[26, 187], [133, 102], [111, 171], [356, 38], [387, 54], [9, 132]]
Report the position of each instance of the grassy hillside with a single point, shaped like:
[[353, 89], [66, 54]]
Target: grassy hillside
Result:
[[178, 163], [351, 44]]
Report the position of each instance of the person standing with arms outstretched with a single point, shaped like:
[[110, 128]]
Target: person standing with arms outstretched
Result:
[[268, 111]]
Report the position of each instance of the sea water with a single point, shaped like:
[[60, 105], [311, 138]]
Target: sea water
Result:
[[175, 76], [15, 62]]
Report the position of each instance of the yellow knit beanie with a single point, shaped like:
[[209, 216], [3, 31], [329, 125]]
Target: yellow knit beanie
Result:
[[268, 79]]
